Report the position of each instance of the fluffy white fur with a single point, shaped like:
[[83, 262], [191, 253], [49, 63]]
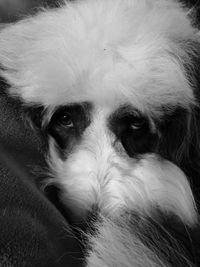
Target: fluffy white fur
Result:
[[99, 50], [117, 244], [122, 241]]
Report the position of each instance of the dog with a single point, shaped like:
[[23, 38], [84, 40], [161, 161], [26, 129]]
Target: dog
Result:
[[113, 85]]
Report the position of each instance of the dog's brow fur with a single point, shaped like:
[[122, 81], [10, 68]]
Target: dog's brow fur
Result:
[[79, 55]]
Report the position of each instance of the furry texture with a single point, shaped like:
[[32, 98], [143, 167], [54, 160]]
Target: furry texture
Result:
[[50, 67], [139, 241], [108, 77], [119, 237], [79, 55]]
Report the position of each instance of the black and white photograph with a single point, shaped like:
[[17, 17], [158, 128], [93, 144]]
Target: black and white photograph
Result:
[[99, 133]]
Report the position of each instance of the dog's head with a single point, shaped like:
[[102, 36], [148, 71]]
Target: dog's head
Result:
[[116, 85]]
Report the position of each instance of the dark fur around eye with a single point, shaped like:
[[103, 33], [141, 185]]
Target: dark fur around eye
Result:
[[175, 138], [68, 123], [133, 130]]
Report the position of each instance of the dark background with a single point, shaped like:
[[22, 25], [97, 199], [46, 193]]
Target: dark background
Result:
[[10, 10]]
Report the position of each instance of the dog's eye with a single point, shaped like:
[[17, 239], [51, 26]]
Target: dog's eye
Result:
[[65, 119], [136, 137], [133, 130], [68, 123], [137, 123]]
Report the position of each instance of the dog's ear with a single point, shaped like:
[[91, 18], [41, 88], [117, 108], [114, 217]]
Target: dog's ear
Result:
[[180, 130], [194, 8], [191, 158], [191, 161]]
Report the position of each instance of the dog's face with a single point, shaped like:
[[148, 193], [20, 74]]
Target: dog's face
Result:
[[110, 158], [114, 80]]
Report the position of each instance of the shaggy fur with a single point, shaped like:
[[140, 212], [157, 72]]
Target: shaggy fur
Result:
[[130, 241], [116, 85]]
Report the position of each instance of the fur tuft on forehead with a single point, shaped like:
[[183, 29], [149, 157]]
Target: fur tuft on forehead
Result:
[[102, 50]]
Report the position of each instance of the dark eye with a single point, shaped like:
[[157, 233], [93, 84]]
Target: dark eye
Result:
[[137, 123], [65, 119]]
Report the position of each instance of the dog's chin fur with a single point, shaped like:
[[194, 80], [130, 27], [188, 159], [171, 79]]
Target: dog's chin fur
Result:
[[113, 59]]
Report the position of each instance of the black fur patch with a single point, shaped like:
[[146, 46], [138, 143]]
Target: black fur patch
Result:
[[66, 136], [133, 130]]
